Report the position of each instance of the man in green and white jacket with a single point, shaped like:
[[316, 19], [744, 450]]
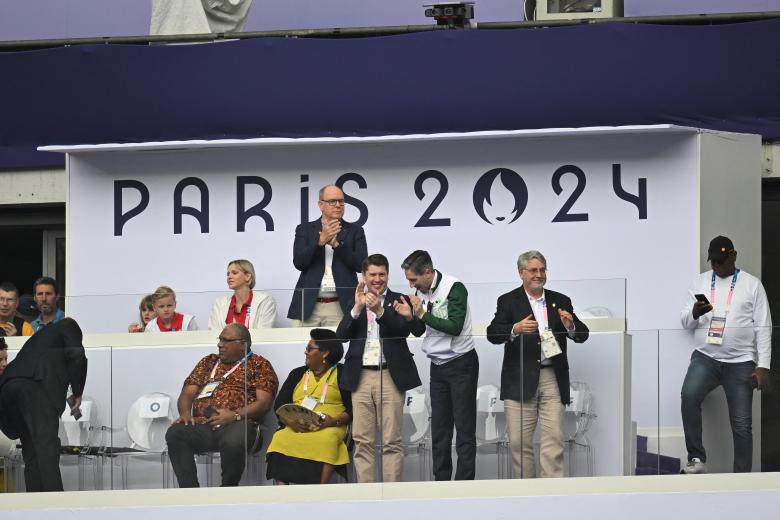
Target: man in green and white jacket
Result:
[[439, 309]]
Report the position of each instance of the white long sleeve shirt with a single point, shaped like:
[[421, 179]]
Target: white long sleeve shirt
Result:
[[748, 332]]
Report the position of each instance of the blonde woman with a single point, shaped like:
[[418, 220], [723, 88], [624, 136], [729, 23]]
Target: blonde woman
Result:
[[253, 309]]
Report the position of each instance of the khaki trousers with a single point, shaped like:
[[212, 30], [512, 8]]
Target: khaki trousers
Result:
[[365, 411], [521, 418], [323, 315]]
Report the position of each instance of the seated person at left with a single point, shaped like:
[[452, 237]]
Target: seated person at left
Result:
[[300, 456], [220, 405]]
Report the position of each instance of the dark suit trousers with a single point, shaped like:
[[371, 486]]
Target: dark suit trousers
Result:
[[454, 402], [231, 441], [32, 414]]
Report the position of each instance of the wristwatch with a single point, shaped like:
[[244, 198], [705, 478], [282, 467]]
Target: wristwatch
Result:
[[237, 416]]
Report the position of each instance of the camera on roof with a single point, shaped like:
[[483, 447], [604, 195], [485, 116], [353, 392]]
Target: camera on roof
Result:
[[452, 14]]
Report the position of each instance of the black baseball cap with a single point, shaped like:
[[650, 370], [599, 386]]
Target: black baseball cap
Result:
[[720, 248], [27, 306]]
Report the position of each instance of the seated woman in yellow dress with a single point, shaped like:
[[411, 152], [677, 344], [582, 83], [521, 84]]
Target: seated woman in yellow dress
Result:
[[300, 456]]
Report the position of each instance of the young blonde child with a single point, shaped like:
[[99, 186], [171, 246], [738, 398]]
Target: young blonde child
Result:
[[168, 320], [145, 314]]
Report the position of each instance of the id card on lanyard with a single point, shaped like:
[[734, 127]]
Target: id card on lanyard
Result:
[[310, 402], [718, 323], [210, 387], [372, 349], [550, 345]]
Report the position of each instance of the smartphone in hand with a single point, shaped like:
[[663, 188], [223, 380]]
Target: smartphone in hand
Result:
[[701, 299], [71, 403]]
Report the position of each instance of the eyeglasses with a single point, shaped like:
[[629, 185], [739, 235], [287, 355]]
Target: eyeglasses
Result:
[[227, 340], [333, 202], [536, 270], [309, 348], [8, 300]]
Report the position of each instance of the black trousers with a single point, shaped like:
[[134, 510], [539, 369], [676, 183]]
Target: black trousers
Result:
[[454, 403], [232, 441], [30, 413]]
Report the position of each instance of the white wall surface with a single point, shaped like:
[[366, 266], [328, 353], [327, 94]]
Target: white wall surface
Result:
[[614, 244]]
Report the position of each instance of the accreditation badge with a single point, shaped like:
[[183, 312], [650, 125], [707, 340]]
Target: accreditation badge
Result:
[[208, 390], [309, 402], [550, 345], [717, 328], [328, 283], [371, 353]]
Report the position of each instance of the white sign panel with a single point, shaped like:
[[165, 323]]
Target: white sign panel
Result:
[[612, 208]]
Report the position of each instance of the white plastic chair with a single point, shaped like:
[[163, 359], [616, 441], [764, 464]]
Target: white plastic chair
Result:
[[491, 427], [415, 432], [148, 418], [578, 418]]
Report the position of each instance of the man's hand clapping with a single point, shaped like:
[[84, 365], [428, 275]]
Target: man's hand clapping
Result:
[[329, 232]]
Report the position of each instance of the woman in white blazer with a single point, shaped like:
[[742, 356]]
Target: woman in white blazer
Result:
[[255, 309]]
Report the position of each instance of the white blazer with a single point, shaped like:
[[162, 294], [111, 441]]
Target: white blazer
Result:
[[262, 311]]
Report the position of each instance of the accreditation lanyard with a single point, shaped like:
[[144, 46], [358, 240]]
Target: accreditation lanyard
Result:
[[371, 316], [248, 311], [246, 318], [235, 367], [730, 296], [543, 304], [324, 387]]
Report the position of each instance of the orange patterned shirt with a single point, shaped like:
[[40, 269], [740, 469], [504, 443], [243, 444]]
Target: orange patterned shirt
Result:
[[256, 374]]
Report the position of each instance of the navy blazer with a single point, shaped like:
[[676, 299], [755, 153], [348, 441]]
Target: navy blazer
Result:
[[309, 259], [393, 329], [54, 357], [513, 307]]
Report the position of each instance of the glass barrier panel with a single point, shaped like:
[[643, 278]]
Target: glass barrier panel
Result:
[[646, 388]]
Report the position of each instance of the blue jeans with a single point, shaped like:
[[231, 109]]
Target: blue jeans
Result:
[[704, 375]]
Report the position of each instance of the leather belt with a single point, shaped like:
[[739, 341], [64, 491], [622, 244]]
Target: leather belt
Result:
[[327, 300], [375, 367]]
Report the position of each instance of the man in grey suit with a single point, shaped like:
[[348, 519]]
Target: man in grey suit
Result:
[[32, 398]]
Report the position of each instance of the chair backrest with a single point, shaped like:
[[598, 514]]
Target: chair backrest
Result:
[[77, 432], [416, 417], [491, 421], [579, 413], [148, 419]]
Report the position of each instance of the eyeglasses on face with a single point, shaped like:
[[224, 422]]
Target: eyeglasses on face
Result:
[[227, 340], [333, 202], [536, 270], [309, 348], [8, 300]]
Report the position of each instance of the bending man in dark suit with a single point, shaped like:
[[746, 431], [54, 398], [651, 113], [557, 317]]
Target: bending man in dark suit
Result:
[[378, 370], [534, 325], [328, 252], [32, 398]]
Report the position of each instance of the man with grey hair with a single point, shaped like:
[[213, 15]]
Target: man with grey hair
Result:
[[534, 324], [329, 253]]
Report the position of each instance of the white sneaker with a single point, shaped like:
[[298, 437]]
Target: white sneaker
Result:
[[694, 466]]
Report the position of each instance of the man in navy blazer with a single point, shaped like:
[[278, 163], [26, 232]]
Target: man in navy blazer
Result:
[[534, 324], [328, 252], [378, 370], [32, 398]]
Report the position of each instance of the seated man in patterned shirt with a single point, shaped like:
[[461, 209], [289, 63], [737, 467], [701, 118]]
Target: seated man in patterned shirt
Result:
[[220, 405]]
